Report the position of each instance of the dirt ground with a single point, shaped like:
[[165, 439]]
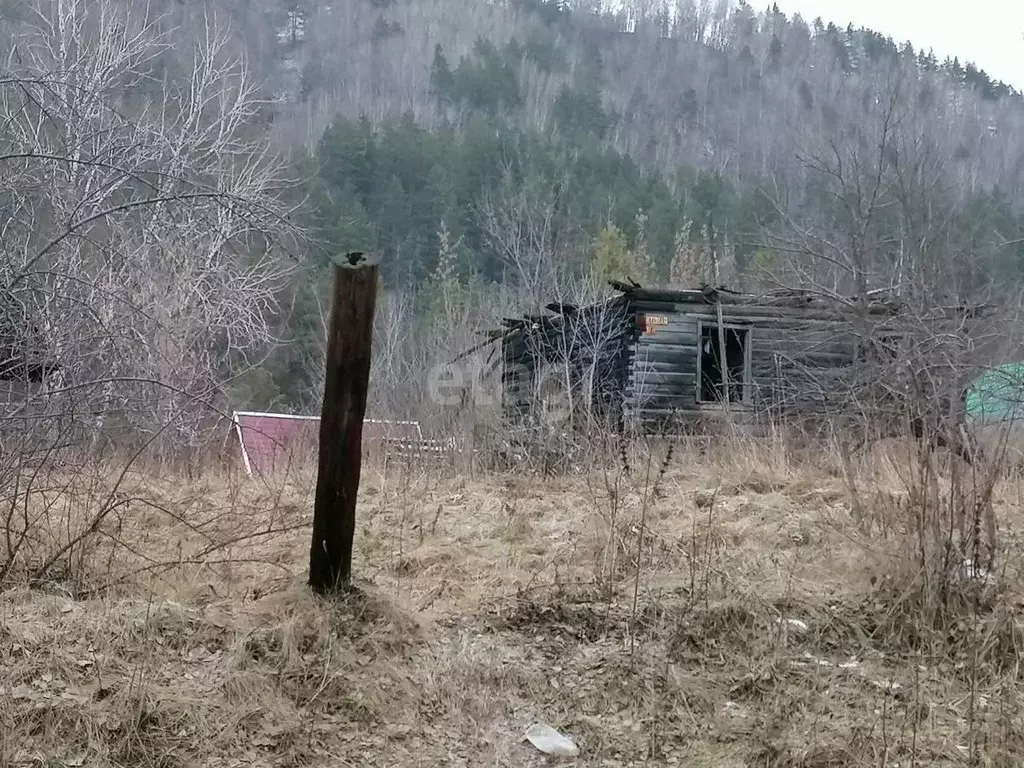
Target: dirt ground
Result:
[[730, 614]]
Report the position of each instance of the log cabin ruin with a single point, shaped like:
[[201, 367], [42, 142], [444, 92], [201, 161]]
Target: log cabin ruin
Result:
[[658, 360]]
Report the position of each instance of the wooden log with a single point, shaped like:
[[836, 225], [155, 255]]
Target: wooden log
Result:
[[341, 422], [684, 358], [680, 336]]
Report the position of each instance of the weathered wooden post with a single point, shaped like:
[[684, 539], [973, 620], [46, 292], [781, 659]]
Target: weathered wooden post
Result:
[[341, 422]]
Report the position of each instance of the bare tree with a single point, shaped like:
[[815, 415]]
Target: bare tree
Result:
[[524, 225], [142, 232], [889, 247], [151, 214]]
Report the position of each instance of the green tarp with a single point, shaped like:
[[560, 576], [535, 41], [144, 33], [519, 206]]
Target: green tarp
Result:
[[997, 395]]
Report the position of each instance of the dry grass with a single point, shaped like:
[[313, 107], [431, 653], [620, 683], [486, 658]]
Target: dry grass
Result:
[[737, 618]]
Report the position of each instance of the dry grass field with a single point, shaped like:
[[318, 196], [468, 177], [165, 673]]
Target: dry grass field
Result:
[[733, 615]]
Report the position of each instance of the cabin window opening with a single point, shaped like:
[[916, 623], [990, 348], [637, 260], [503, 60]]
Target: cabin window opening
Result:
[[737, 364]]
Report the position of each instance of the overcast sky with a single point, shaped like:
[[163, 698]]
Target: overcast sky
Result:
[[988, 32]]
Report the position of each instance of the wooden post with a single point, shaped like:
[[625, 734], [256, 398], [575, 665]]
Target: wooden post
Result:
[[723, 358], [341, 422]]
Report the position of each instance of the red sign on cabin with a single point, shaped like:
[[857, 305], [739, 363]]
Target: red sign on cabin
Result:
[[652, 322], [278, 442]]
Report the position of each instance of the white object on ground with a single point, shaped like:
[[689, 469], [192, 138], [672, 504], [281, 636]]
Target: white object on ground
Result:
[[976, 572], [796, 624], [551, 742]]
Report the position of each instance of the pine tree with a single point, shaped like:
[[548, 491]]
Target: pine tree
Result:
[[443, 289], [765, 269], [441, 78], [611, 259], [642, 267], [343, 223], [775, 54], [685, 269]]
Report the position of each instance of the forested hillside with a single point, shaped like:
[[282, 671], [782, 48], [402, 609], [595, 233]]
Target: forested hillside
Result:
[[674, 112], [495, 153], [524, 139]]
